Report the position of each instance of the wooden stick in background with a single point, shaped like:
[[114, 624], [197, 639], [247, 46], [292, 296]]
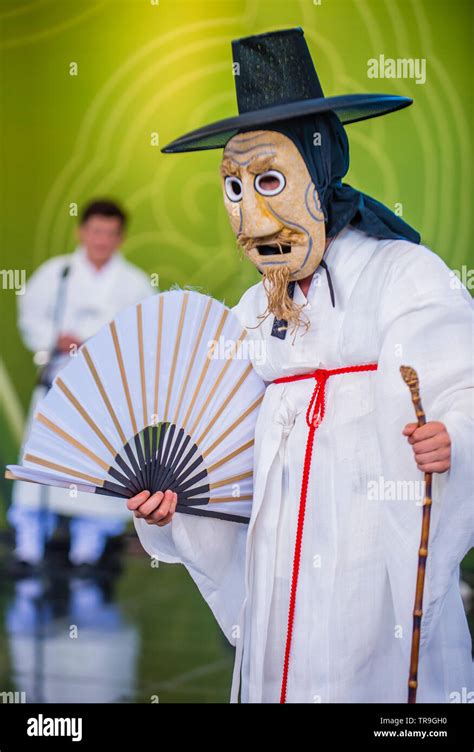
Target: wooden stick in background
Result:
[[410, 377]]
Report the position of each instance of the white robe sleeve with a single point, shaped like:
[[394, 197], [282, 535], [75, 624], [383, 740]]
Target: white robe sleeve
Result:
[[213, 551], [426, 321], [36, 306], [138, 286]]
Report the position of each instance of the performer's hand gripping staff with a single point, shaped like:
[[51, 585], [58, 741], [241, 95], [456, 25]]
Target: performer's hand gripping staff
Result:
[[431, 445]]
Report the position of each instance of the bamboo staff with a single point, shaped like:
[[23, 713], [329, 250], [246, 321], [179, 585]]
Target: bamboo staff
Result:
[[410, 378]]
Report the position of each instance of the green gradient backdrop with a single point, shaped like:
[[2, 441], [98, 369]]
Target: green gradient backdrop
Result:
[[166, 68]]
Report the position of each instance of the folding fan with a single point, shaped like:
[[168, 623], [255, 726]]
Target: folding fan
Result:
[[164, 396]]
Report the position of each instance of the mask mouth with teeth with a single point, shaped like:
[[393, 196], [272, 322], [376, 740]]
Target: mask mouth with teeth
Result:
[[269, 249], [275, 212]]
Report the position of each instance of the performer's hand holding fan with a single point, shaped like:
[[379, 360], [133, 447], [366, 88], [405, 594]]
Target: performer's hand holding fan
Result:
[[164, 397]]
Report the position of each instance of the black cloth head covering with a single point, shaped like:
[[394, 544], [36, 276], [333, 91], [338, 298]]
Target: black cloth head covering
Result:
[[327, 164], [343, 205]]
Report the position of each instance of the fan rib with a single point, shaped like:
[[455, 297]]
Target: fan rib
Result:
[[230, 456], [146, 435], [128, 473], [192, 359], [198, 512], [142, 363], [103, 393], [71, 440], [233, 479], [177, 344], [123, 479], [159, 335], [146, 441], [63, 469], [123, 375], [176, 453], [85, 415], [154, 440], [112, 489], [212, 391], [163, 468], [133, 462], [229, 397], [188, 482], [86, 487], [233, 425], [159, 454], [141, 461], [194, 465], [219, 499], [184, 463], [182, 449], [204, 369], [190, 496]]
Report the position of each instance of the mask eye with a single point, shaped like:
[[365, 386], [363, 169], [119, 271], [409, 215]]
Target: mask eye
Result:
[[270, 183], [233, 188]]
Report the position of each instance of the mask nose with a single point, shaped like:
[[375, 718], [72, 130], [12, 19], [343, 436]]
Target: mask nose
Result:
[[257, 220]]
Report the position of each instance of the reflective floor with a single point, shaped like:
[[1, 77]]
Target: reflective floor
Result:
[[129, 632], [136, 634]]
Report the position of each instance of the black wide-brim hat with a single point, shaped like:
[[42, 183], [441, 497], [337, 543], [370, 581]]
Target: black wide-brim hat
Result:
[[276, 80]]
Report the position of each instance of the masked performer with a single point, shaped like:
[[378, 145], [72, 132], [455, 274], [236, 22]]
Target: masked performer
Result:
[[317, 594]]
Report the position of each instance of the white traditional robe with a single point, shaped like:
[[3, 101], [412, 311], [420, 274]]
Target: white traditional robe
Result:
[[92, 297], [396, 304]]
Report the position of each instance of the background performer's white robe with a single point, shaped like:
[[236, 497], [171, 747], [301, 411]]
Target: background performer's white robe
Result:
[[396, 304], [91, 298]]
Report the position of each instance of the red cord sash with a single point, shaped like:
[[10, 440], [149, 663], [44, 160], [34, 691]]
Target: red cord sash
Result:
[[314, 417]]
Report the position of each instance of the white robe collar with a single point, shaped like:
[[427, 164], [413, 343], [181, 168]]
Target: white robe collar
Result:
[[345, 257], [81, 260]]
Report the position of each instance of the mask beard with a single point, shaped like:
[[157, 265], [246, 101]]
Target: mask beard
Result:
[[280, 305]]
